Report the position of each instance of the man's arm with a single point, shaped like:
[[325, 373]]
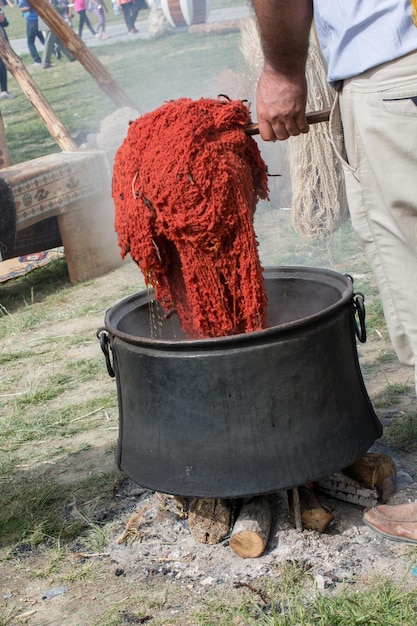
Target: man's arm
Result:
[[282, 90]]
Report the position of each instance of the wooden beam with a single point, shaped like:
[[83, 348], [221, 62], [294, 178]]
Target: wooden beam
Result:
[[25, 81], [5, 158]]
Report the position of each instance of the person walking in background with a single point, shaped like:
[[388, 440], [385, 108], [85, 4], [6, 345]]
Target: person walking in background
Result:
[[130, 9], [32, 30], [4, 93], [100, 10], [80, 7], [67, 15], [53, 45]]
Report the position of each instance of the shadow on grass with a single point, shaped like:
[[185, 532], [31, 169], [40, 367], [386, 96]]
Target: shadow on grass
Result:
[[34, 286], [37, 507]]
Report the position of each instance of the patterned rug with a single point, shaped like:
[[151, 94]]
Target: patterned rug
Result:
[[12, 268]]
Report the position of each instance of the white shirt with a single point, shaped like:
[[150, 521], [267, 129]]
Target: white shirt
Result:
[[356, 35]]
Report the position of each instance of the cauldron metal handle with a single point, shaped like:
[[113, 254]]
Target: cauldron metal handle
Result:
[[103, 337], [359, 312]]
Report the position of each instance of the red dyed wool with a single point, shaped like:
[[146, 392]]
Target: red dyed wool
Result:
[[186, 181]]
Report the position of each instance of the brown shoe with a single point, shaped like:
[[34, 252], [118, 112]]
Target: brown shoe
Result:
[[397, 522]]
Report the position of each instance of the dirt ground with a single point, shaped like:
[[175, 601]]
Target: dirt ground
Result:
[[162, 571]]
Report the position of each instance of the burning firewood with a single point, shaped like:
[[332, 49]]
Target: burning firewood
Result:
[[252, 528]]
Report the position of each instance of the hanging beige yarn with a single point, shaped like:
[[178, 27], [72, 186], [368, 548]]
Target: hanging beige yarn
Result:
[[319, 204]]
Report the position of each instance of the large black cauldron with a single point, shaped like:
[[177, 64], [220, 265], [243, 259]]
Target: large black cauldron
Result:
[[247, 414]]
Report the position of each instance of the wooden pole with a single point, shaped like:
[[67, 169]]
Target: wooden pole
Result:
[[5, 158], [52, 122], [77, 47]]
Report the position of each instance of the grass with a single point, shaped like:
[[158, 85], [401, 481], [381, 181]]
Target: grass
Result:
[[49, 401], [51, 513], [402, 433], [32, 288], [293, 601], [392, 394], [48, 510]]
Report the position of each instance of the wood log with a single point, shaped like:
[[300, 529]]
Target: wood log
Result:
[[313, 515], [348, 489], [209, 519], [52, 122], [251, 531], [375, 471], [78, 48]]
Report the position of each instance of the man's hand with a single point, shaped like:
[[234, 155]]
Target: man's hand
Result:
[[282, 90], [281, 104]]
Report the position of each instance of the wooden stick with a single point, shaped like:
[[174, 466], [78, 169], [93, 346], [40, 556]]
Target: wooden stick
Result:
[[77, 47], [5, 158], [54, 125], [250, 533], [313, 117], [295, 507]]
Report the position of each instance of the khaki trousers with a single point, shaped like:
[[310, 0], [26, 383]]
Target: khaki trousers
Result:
[[374, 131]]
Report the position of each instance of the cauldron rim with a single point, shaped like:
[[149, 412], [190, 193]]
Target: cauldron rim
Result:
[[329, 277]]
